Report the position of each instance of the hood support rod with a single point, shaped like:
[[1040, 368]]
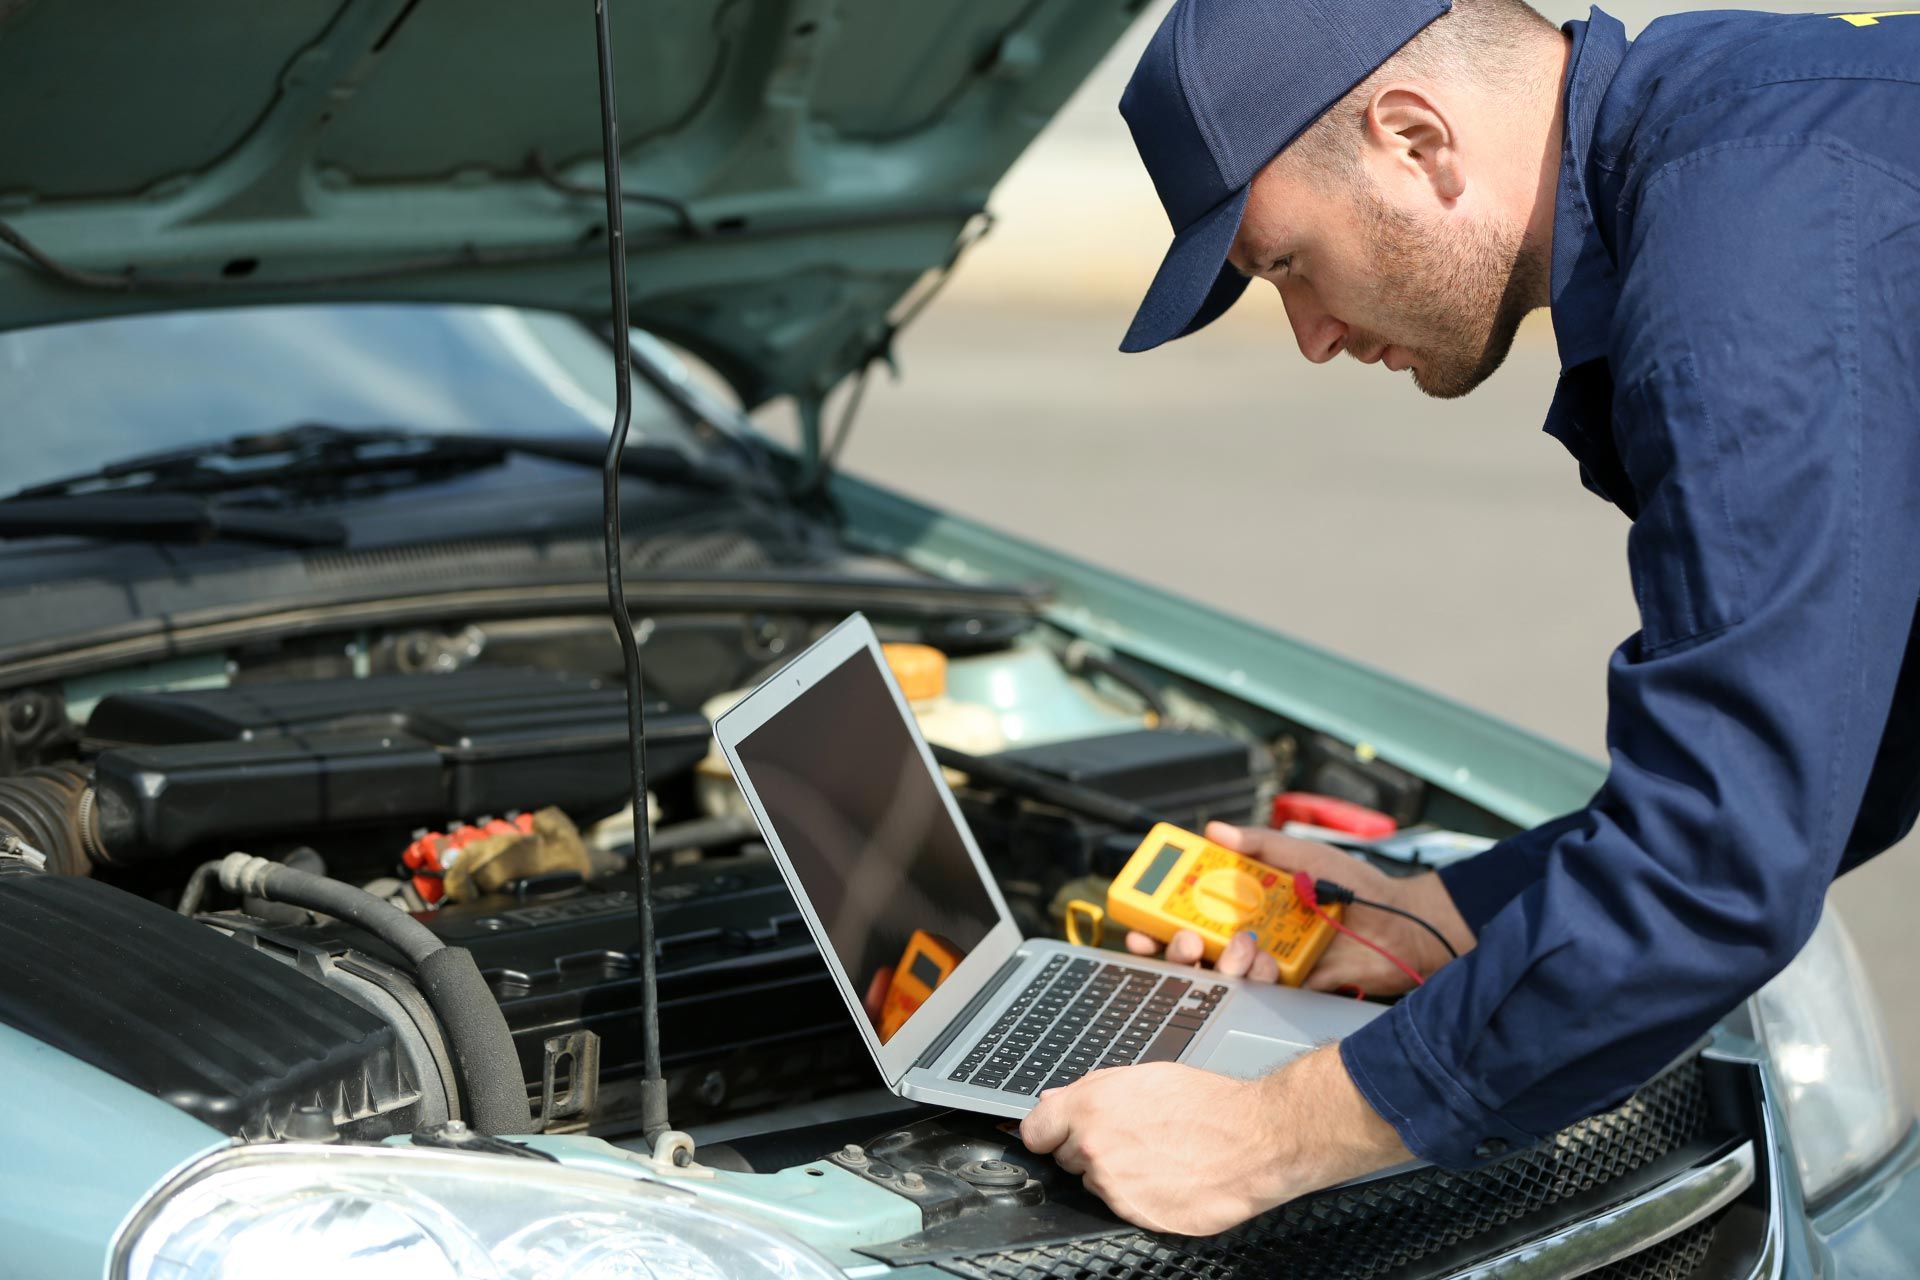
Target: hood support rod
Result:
[[653, 1083]]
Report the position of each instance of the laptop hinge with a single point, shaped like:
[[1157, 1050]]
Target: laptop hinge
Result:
[[965, 1017]]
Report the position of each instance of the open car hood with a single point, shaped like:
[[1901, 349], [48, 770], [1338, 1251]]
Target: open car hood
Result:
[[822, 154]]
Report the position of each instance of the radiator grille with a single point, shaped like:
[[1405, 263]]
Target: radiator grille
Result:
[[1675, 1259], [1367, 1231]]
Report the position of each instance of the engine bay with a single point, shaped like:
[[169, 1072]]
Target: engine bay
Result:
[[474, 775]]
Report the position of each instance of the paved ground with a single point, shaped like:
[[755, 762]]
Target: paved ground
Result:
[[1449, 543]]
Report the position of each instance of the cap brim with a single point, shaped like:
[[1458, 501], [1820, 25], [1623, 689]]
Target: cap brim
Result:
[[1195, 284]]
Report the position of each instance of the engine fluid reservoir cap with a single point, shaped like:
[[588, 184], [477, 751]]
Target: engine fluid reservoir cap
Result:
[[992, 1173], [921, 670]]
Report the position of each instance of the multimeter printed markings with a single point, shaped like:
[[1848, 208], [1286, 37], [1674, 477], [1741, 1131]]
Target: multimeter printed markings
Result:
[[1082, 1015]]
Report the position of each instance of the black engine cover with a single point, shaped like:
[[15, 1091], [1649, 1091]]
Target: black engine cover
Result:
[[186, 768], [190, 1016]]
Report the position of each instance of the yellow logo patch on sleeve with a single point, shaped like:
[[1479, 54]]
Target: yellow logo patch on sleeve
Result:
[[1873, 19]]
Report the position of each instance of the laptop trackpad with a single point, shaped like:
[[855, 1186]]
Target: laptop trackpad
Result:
[[1247, 1056]]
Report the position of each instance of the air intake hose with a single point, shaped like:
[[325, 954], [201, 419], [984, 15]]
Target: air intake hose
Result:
[[476, 1030], [52, 809]]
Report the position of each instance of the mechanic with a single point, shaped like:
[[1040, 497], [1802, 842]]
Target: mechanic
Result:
[[1724, 217]]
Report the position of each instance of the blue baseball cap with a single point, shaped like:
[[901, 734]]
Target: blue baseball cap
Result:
[[1223, 88]]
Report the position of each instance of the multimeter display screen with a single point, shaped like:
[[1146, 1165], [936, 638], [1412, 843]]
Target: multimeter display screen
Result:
[[1156, 871], [863, 822], [926, 969]]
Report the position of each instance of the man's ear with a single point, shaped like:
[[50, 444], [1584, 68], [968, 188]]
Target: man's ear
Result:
[[1413, 139]]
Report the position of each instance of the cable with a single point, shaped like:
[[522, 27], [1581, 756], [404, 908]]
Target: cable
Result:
[[1081, 658], [1438, 936], [1308, 890], [653, 1082], [1328, 891], [538, 165], [1372, 946], [978, 225], [830, 458]]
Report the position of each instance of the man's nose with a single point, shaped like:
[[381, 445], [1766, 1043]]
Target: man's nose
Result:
[[1321, 337]]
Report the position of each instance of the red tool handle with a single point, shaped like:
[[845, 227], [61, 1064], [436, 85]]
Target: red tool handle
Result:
[[1326, 811]]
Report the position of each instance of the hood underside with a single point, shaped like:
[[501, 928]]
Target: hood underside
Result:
[[793, 166]]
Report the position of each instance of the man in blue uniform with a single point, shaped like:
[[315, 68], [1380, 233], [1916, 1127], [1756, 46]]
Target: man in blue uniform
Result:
[[1724, 216]]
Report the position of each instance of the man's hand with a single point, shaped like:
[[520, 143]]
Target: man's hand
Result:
[[1346, 963], [1176, 1149]]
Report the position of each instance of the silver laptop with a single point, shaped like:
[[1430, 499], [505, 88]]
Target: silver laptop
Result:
[[872, 844]]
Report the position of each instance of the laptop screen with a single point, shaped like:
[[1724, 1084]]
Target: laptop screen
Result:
[[870, 838]]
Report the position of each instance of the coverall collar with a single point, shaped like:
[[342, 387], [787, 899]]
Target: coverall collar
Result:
[[1585, 285]]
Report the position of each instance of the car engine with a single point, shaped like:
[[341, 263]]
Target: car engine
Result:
[[474, 777]]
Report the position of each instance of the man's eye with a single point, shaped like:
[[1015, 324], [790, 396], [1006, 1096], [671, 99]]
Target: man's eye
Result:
[[1281, 264]]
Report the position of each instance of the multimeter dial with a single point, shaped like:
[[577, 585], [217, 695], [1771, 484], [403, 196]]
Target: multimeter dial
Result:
[[1228, 896]]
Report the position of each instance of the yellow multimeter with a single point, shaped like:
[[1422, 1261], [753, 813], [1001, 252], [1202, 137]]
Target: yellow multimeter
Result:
[[1177, 880], [925, 963]]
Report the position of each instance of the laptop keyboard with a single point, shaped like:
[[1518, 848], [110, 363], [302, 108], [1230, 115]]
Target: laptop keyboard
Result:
[[1081, 1015]]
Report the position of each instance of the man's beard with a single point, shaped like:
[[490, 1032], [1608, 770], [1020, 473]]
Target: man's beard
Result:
[[1458, 295]]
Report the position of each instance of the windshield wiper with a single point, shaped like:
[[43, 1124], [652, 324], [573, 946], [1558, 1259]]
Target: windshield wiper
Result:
[[162, 517], [317, 457]]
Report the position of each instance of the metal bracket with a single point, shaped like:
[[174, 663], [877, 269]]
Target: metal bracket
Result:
[[454, 1135], [14, 848], [569, 1082]]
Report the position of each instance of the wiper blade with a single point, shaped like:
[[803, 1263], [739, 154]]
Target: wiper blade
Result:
[[648, 461], [309, 453], [315, 455], [162, 517]]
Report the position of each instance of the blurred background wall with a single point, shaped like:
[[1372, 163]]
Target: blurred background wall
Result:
[[1079, 216], [1450, 543]]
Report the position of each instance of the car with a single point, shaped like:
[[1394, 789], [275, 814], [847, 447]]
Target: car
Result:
[[317, 833]]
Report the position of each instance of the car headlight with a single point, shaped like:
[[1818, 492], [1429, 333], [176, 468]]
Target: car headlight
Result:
[[385, 1213], [1845, 1105]]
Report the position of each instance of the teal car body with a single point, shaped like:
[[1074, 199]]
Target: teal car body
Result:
[[797, 169]]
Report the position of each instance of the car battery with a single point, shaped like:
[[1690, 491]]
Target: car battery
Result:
[[1186, 778]]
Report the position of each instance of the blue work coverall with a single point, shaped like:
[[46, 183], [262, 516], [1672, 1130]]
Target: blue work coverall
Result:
[[1736, 298]]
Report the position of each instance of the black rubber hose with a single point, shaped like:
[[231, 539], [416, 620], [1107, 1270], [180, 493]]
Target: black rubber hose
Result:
[[476, 1030], [196, 891], [478, 1037], [1082, 659]]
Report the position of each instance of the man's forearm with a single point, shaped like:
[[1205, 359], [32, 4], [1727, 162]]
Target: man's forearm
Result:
[[1324, 1132]]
